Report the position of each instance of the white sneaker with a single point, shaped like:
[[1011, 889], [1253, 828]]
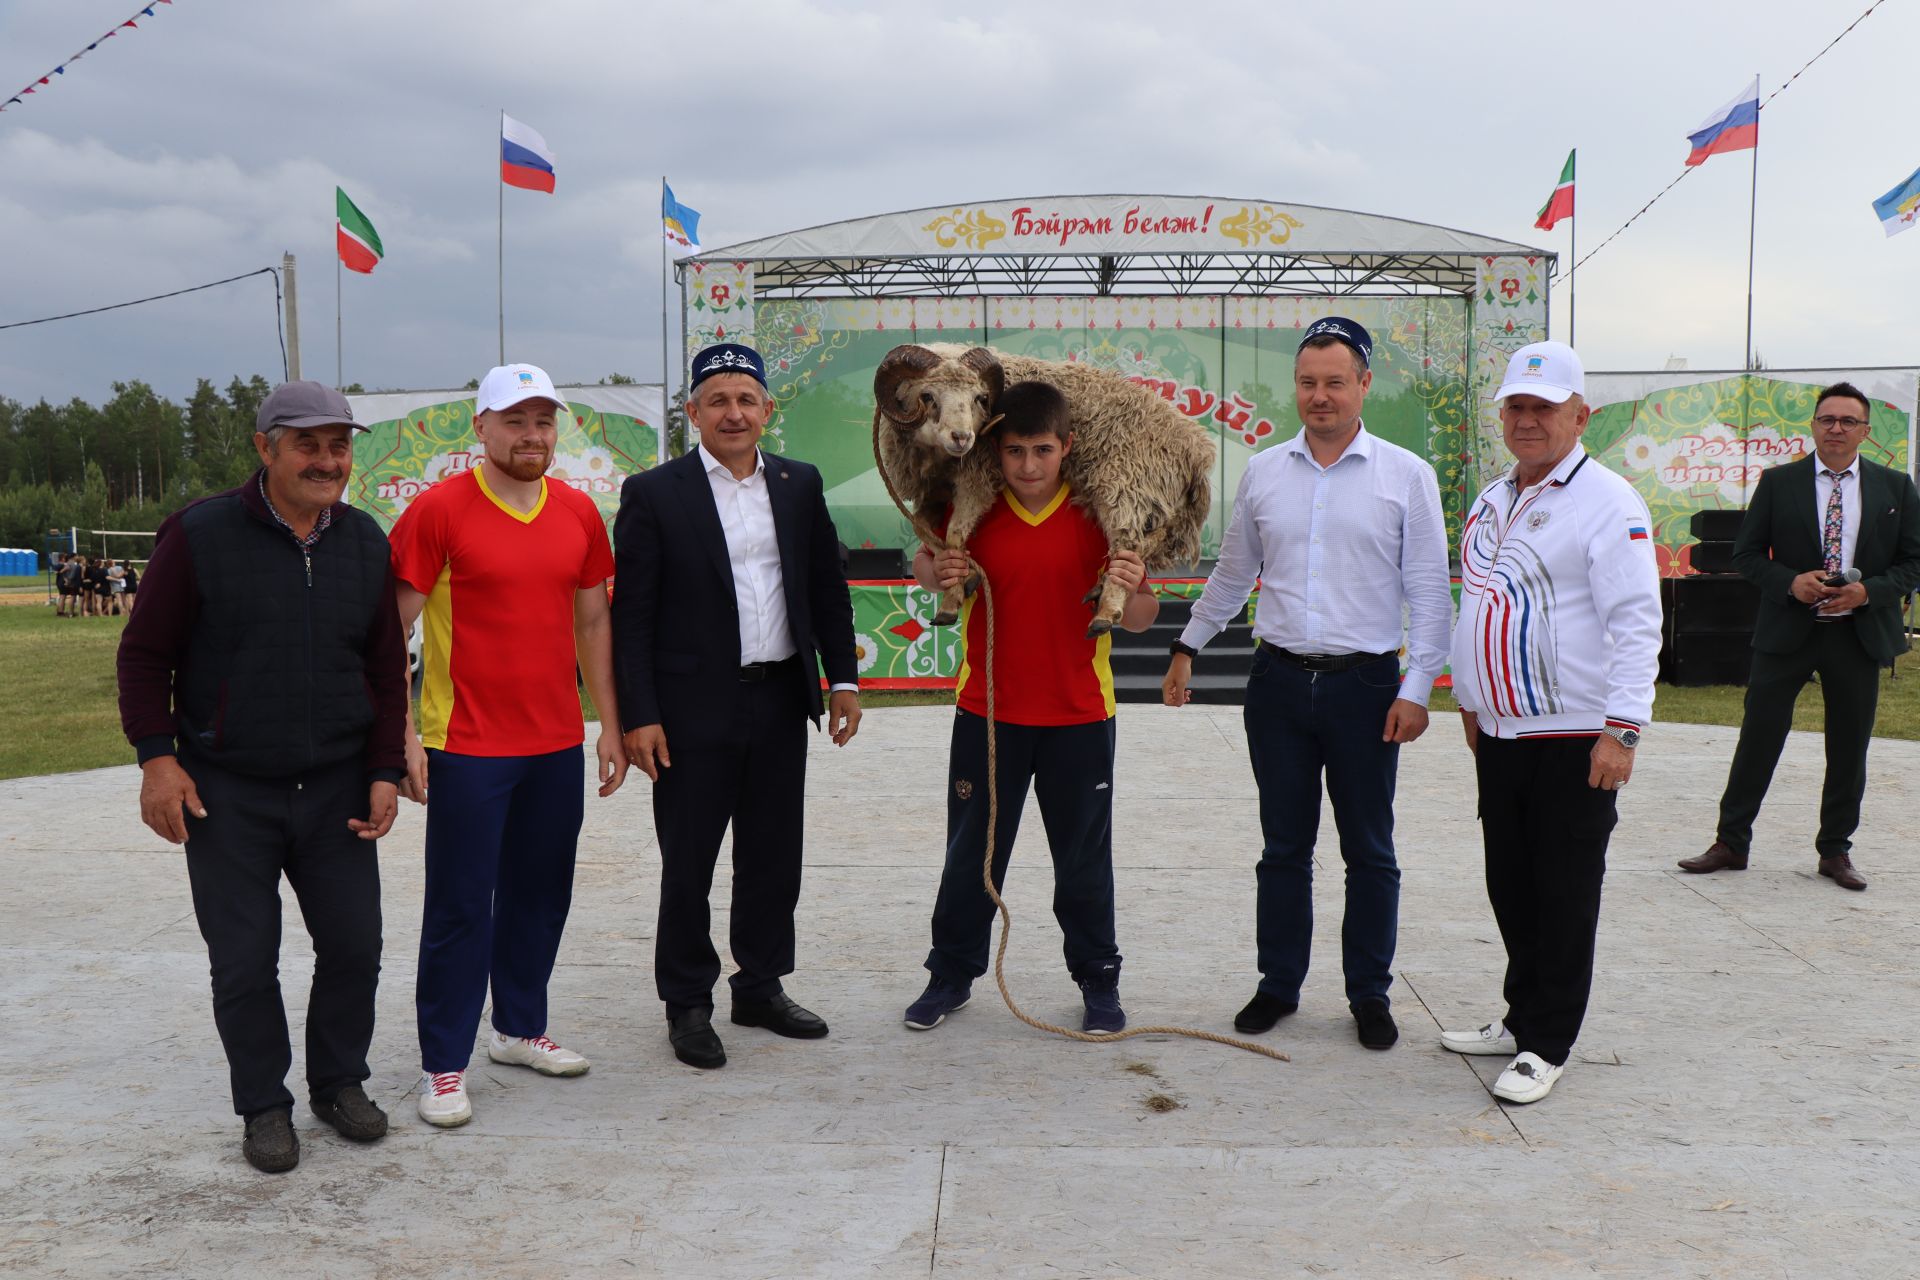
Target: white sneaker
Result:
[[443, 1098], [1493, 1040], [538, 1052], [1528, 1078]]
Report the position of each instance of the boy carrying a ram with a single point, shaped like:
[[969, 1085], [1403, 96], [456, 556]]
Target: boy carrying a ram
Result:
[[1053, 711]]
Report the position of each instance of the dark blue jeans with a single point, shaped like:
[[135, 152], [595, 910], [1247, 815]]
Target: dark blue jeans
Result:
[[1070, 767], [1300, 723]]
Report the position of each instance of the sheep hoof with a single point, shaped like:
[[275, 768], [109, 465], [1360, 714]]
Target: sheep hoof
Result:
[[971, 585], [1098, 627], [1093, 596], [945, 618]]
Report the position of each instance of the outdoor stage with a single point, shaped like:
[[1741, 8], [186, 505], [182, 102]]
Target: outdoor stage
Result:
[[1742, 1103]]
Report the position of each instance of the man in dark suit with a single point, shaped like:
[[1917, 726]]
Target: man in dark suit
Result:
[[727, 583], [1810, 523]]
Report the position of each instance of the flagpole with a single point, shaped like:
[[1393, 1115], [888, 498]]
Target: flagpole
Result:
[[1573, 246], [500, 248], [1753, 205], [666, 389], [339, 358]]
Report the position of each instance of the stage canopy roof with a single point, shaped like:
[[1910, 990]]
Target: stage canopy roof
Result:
[[1118, 244]]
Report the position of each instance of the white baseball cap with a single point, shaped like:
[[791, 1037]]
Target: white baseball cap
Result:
[[508, 385], [1550, 370]]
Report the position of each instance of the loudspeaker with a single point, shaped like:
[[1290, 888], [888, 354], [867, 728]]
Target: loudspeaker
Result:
[[1713, 605], [875, 562], [1712, 557], [1706, 659], [1721, 525]]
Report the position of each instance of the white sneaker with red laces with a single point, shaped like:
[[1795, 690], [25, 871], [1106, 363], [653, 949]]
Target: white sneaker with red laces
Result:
[[538, 1052], [443, 1098]]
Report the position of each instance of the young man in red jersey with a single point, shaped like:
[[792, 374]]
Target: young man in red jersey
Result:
[[510, 569], [1053, 707]]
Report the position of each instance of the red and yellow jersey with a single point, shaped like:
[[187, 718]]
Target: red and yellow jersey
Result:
[[1046, 671], [497, 631]]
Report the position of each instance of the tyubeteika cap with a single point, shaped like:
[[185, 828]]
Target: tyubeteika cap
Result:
[[727, 357], [1348, 331]]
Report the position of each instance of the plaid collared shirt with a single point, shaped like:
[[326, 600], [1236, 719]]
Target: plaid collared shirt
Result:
[[319, 526]]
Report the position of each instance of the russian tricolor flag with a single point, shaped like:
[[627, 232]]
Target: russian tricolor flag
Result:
[[525, 159], [1734, 127]]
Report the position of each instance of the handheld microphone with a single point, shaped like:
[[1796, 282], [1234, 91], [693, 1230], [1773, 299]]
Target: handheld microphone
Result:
[[1846, 579]]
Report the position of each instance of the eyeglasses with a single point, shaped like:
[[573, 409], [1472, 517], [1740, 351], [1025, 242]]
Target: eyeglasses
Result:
[[1827, 421]]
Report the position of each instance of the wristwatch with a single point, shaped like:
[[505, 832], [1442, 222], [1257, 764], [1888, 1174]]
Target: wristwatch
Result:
[[1628, 738], [1177, 648]]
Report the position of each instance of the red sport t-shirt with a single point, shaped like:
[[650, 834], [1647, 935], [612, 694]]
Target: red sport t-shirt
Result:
[[1046, 671], [497, 630]]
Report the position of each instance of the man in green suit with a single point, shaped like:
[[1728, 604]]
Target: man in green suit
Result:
[[1811, 525]]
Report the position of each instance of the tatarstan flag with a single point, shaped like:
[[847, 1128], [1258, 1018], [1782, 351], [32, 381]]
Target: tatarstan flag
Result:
[[1560, 204], [359, 243]]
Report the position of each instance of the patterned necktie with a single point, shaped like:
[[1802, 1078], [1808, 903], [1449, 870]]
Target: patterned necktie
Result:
[[1830, 530]]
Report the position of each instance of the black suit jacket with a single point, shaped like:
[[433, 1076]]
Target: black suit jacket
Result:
[[1780, 539], [676, 626]]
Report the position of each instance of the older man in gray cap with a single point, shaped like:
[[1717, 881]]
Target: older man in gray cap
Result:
[[263, 687]]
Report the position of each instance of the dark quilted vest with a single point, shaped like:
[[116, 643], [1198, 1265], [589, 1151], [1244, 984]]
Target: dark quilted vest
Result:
[[274, 682]]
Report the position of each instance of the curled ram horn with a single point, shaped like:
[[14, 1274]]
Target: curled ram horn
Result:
[[903, 362], [987, 365]]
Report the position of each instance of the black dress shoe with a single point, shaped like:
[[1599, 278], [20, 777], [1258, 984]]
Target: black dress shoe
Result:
[[271, 1145], [353, 1115], [1841, 871], [694, 1040], [1375, 1024], [779, 1015], [1262, 1012]]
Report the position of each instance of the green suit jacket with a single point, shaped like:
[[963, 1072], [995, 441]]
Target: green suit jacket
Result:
[[1780, 539]]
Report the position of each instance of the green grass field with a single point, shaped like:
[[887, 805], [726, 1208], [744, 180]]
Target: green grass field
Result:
[[59, 711]]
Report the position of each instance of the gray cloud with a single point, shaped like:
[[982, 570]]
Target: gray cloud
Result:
[[209, 140]]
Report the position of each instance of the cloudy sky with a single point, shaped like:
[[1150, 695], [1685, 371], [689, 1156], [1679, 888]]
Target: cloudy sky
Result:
[[209, 140]]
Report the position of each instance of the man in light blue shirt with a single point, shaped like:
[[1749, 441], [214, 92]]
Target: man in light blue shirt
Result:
[[1343, 531]]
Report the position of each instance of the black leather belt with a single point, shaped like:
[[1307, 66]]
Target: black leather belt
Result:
[[1331, 662], [755, 672]]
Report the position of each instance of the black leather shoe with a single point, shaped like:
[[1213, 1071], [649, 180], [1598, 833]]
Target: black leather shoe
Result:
[[1262, 1012], [694, 1040], [353, 1115], [779, 1015], [271, 1145], [1841, 871], [1375, 1024]]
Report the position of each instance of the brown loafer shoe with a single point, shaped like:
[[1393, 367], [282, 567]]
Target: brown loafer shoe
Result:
[[1719, 856], [1839, 869]]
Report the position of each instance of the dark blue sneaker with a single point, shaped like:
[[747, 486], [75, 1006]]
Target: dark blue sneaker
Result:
[[935, 1003], [1100, 990]]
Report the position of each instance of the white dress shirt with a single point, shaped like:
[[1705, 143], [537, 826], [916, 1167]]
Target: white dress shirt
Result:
[[1849, 512], [1338, 551], [753, 554]]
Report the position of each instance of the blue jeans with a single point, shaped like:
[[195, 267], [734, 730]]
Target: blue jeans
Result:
[[1298, 723]]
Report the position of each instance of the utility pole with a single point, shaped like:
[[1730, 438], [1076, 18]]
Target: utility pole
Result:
[[293, 317]]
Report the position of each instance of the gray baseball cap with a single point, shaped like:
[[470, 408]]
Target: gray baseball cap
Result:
[[305, 404]]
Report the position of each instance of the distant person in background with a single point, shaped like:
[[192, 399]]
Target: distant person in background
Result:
[[133, 586], [70, 581], [97, 591], [1810, 522], [116, 584]]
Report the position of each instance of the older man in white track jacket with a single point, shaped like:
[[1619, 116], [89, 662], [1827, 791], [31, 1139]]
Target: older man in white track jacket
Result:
[[1554, 657]]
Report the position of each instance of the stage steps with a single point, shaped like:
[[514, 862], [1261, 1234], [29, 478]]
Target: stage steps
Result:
[[1220, 672]]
